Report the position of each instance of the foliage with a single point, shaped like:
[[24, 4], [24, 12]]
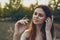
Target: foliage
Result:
[[12, 10]]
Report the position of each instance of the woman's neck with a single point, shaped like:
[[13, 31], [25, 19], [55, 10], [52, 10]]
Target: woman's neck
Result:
[[38, 28]]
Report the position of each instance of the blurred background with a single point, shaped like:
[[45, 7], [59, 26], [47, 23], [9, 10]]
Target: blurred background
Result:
[[13, 10]]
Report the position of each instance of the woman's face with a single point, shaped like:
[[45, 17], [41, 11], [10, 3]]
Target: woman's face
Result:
[[38, 16]]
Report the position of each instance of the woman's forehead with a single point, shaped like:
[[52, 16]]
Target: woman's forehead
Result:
[[39, 10]]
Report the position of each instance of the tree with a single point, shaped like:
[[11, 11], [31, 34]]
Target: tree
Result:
[[1, 11], [54, 4], [15, 4], [56, 9]]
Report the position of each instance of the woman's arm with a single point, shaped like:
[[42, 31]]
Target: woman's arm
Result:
[[20, 26], [48, 28], [16, 35], [48, 35]]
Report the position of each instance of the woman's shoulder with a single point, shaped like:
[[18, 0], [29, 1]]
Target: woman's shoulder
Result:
[[26, 33]]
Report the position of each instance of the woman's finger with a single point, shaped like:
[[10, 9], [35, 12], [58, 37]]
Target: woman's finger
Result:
[[48, 20]]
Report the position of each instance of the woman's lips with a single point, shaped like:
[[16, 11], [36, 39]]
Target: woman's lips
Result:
[[36, 20]]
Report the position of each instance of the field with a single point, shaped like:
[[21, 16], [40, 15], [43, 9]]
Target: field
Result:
[[7, 30]]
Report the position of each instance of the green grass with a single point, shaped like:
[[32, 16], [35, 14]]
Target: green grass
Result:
[[7, 30]]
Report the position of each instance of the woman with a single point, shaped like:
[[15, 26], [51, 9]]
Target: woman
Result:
[[41, 27]]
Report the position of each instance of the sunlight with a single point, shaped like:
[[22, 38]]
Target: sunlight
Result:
[[3, 2], [27, 3], [43, 2]]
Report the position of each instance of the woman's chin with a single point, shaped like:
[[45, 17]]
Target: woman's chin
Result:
[[36, 23]]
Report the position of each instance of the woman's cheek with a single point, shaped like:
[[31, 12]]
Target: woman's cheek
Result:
[[42, 20]]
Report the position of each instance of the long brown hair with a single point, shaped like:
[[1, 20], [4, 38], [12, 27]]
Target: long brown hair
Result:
[[32, 26]]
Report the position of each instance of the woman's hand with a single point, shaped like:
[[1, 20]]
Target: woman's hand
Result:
[[48, 24], [21, 25], [48, 28]]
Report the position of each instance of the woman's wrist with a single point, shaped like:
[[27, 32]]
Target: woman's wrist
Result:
[[47, 30], [48, 35]]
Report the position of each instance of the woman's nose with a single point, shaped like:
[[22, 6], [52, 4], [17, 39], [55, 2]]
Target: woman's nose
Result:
[[36, 16]]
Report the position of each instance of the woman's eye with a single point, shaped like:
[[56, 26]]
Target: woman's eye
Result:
[[40, 15], [35, 13]]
